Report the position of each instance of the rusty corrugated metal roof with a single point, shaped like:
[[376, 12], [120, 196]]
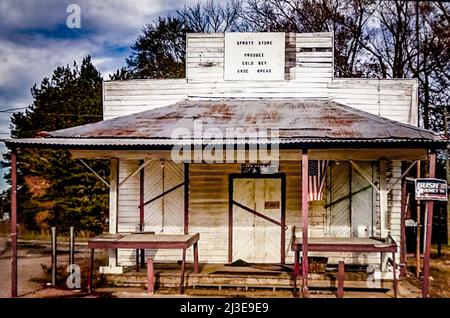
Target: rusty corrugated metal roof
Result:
[[297, 121], [294, 118]]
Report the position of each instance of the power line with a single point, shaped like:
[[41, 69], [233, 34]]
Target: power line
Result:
[[10, 110]]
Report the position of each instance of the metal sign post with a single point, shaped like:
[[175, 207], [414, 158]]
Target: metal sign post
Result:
[[429, 190]]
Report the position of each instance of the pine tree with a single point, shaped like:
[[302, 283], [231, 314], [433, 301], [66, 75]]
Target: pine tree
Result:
[[55, 190]]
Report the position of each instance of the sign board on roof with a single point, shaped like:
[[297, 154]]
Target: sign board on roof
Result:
[[431, 189], [254, 56]]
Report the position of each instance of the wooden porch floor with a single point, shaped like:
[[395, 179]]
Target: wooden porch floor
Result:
[[255, 277]]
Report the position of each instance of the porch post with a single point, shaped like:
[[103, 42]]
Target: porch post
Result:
[[305, 221], [112, 267], [186, 198], [141, 197], [383, 198], [141, 212], [429, 226], [403, 231], [13, 222]]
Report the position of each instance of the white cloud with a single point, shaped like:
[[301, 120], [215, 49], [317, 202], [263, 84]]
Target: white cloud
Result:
[[34, 40]]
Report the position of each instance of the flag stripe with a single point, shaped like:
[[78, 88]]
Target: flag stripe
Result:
[[316, 179]]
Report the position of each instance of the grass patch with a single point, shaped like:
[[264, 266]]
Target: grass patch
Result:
[[43, 235]]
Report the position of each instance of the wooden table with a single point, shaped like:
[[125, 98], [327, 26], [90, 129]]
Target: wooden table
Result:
[[345, 244], [145, 241]]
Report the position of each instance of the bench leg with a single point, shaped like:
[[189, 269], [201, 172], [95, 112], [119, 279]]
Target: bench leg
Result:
[[150, 277], [296, 270], [183, 267], [142, 254], [394, 269], [341, 277], [137, 261], [196, 270]]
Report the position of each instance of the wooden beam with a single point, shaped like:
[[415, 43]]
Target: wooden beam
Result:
[[305, 221], [13, 222], [114, 196], [162, 195], [230, 218], [403, 231], [362, 154], [258, 214], [418, 235], [113, 206], [94, 172], [283, 220], [186, 198], [131, 175], [341, 278], [361, 172], [141, 213], [383, 198], [357, 154], [141, 198], [429, 227], [402, 176]]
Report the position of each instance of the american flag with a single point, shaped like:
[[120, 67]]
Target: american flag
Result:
[[317, 170]]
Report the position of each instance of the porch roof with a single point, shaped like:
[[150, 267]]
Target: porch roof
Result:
[[298, 122]]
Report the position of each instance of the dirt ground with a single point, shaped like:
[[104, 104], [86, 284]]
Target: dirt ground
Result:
[[439, 273], [34, 277], [29, 266]]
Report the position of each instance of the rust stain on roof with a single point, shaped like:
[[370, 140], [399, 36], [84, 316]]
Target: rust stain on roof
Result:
[[293, 118]]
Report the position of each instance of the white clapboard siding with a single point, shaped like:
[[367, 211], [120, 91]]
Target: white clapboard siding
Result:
[[394, 200], [394, 99], [132, 96], [308, 75]]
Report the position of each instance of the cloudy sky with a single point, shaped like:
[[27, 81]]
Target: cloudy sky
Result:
[[35, 39]]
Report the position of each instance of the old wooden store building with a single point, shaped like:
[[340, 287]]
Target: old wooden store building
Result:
[[260, 155]]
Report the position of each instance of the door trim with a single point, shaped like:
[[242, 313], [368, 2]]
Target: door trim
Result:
[[282, 177]]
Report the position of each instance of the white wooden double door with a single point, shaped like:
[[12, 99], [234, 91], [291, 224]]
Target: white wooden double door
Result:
[[255, 239]]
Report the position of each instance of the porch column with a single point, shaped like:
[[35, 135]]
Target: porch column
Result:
[[403, 260], [429, 225], [141, 197], [112, 267], [13, 221], [186, 198], [383, 198], [305, 221]]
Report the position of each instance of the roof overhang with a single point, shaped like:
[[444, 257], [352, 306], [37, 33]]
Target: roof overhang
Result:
[[164, 144]]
